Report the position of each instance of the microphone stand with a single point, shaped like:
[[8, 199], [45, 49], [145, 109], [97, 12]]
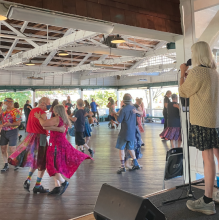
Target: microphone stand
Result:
[[189, 185]]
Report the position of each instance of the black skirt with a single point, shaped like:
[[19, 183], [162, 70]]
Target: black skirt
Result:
[[203, 138]]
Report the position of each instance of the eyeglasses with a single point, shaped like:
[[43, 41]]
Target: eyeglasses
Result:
[[7, 100]]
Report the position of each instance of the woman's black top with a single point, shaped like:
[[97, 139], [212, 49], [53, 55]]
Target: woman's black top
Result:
[[173, 117], [166, 100]]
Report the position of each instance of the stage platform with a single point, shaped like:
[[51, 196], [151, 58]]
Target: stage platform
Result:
[[172, 211], [81, 195]]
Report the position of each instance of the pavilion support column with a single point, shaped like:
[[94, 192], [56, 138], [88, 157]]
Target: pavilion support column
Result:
[[151, 101], [81, 93], [183, 53], [118, 98], [33, 97]]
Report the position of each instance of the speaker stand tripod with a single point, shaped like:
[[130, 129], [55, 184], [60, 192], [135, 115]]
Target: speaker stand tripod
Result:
[[190, 194]]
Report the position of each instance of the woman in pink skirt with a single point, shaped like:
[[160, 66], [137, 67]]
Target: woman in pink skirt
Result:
[[173, 130], [62, 158]]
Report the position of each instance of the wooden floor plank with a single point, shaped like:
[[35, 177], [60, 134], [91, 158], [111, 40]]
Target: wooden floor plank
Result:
[[81, 195]]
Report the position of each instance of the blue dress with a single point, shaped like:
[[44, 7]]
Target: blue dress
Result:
[[87, 128]]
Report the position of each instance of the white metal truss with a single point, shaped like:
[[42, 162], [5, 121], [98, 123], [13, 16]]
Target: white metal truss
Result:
[[148, 69], [85, 59], [16, 40], [19, 33], [47, 48], [53, 53]]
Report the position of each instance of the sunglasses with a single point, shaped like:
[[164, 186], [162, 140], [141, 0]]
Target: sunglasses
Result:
[[6, 100]]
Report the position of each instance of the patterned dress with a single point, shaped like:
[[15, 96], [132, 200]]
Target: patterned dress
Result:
[[62, 157], [139, 122]]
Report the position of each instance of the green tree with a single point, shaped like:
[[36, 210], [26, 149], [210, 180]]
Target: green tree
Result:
[[20, 97], [101, 97]]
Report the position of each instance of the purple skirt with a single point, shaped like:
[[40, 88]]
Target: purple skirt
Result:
[[171, 133]]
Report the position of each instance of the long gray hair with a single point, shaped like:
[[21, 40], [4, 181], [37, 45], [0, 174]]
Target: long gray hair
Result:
[[60, 110]]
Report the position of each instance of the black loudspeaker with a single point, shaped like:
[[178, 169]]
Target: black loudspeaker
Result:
[[174, 163], [115, 204]]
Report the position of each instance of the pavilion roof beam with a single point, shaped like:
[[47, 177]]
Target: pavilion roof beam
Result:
[[148, 69], [119, 52], [47, 48], [85, 59], [16, 40], [53, 53], [203, 4], [211, 33], [98, 43], [19, 33], [136, 43]]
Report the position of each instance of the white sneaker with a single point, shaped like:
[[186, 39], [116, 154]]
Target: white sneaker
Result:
[[216, 196], [200, 206]]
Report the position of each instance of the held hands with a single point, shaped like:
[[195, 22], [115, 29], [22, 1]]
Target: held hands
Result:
[[134, 111], [37, 115]]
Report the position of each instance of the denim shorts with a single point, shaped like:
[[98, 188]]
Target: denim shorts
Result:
[[122, 144], [10, 137]]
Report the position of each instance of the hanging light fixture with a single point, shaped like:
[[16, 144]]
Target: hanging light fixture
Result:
[[30, 63], [117, 40], [63, 53], [3, 11]]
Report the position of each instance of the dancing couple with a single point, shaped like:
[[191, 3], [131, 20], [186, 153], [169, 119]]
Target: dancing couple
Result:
[[59, 158]]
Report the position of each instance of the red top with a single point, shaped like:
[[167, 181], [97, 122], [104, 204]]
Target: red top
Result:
[[33, 124]]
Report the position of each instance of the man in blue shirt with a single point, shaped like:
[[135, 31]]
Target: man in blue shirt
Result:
[[93, 106], [126, 138]]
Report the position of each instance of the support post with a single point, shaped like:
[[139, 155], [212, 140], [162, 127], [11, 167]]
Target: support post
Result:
[[33, 97], [81, 92], [118, 98], [151, 100]]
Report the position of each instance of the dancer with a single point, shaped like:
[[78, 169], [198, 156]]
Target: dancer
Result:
[[87, 129], [16, 105], [94, 106], [11, 119], [112, 113], [143, 109], [32, 150], [201, 86], [79, 122], [126, 137], [173, 130], [55, 102], [166, 102], [27, 109], [35, 104], [62, 157], [137, 143], [139, 108]]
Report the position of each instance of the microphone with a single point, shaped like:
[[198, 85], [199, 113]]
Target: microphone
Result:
[[189, 62]]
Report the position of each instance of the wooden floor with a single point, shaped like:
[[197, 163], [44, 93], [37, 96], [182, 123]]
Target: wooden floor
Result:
[[81, 195]]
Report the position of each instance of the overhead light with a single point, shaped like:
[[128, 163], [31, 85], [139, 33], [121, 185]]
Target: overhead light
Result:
[[3, 11], [62, 53], [117, 40], [30, 63], [59, 19]]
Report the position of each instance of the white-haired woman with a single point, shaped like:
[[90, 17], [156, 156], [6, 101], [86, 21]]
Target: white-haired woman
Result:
[[202, 87], [62, 157]]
